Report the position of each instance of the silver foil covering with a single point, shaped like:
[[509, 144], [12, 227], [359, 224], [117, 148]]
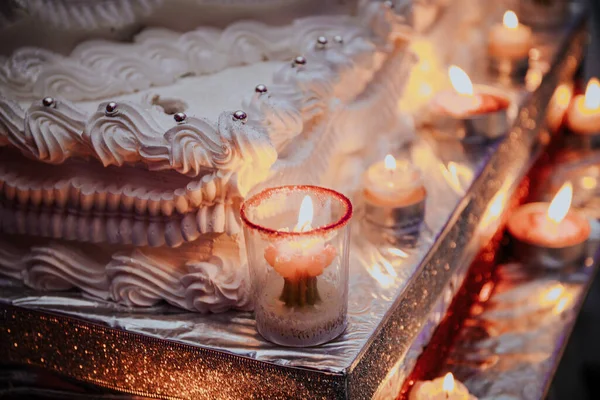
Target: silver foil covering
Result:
[[511, 345]]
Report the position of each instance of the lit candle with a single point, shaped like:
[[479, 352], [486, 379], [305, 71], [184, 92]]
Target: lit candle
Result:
[[442, 388], [300, 261], [510, 40], [550, 224], [583, 116], [394, 202], [466, 100], [390, 183], [298, 265], [550, 233]]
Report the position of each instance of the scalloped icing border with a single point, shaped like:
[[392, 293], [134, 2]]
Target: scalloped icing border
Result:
[[301, 91], [209, 278]]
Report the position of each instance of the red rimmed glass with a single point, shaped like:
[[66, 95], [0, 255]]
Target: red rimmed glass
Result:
[[298, 263]]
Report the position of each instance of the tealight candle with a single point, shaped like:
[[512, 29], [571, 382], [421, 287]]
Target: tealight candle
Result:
[[442, 388], [550, 234], [583, 116], [482, 111], [510, 40], [390, 183], [297, 240], [394, 196]]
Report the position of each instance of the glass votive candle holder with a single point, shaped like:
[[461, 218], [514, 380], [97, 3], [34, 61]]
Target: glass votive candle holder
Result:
[[297, 242]]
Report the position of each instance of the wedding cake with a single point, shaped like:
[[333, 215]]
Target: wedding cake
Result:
[[123, 164]]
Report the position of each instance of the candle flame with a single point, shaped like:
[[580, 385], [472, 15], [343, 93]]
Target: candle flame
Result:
[[448, 385], [561, 305], [305, 216], [554, 293], [460, 80], [510, 20], [592, 94], [559, 207], [390, 162]]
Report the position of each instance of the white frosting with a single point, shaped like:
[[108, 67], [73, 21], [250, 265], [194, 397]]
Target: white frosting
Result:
[[138, 279], [312, 116], [129, 136], [12, 259], [58, 267], [141, 278], [99, 69], [217, 285], [216, 218], [53, 134]]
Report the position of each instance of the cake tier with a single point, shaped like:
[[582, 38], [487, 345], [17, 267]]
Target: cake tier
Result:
[[140, 144], [206, 276]]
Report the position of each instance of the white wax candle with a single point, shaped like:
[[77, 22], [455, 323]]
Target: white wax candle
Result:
[[393, 184], [442, 388], [457, 104], [551, 225], [584, 114], [510, 40]]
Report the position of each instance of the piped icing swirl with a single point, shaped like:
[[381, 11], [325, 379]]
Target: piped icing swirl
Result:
[[57, 267], [128, 136], [197, 145], [279, 115], [53, 133], [252, 145], [12, 119], [216, 285], [139, 279], [12, 259], [19, 72]]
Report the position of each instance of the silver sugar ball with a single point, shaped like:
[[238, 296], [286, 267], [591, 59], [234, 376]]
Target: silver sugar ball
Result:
[[111, 108], [300, 60], [260, 89], [338, 39], [321, 42], [388, 4], [240, 116], [179, 117], [48, 102]]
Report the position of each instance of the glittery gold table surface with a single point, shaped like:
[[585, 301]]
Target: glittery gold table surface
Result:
[[397, 295]]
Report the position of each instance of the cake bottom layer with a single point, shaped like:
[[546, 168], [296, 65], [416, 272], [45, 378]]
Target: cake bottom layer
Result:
[[204, 276]]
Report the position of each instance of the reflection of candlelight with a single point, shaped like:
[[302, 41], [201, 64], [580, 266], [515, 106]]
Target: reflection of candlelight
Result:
[[553, 294], [455, 174], [300, 261], [559, 103], [584, 114], [561, 305]]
